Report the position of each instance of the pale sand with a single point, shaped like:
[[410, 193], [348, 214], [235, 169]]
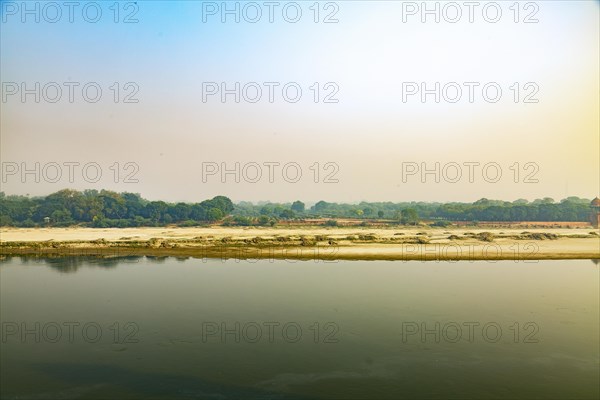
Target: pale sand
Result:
[[218, 232], [208, 243]]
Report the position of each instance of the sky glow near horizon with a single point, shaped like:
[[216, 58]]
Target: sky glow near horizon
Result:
[[369, 134]]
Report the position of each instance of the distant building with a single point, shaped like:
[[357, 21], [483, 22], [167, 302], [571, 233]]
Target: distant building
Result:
[[595, 216], [46, 220]]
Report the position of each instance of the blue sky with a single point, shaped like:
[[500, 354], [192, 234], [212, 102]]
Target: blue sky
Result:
[[369, 132]]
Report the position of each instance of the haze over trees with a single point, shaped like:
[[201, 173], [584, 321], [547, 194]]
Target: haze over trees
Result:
[[106, 209], [111, 209], [572, 209]]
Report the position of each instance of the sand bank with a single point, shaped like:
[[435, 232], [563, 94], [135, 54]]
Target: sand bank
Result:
[[349, 243]]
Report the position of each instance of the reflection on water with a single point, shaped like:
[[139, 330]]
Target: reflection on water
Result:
[[158, 327], [68, 264]]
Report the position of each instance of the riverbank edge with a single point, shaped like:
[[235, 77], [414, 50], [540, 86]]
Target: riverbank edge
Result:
[[330, 252]]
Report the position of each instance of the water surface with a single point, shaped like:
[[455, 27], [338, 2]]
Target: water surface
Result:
[[169, 328]]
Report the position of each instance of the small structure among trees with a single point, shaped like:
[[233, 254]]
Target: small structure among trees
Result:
[[595, 216]]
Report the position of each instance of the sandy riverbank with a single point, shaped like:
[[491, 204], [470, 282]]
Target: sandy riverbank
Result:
[[396, 243]]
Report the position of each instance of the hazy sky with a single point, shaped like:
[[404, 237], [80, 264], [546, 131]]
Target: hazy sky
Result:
[[371, 61]]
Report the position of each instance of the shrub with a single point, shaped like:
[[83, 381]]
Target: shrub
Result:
[[441, 224], [486, 236], [188, 223], [28, 223]]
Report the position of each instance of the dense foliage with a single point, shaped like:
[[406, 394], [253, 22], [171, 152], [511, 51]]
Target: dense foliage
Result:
[[106, 209], [570, 209], [110, 209]]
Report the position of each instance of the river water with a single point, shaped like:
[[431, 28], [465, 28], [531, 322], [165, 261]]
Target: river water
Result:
[[169, 328]]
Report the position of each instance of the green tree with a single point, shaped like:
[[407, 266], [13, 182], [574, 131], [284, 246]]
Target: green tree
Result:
[[409, 216], [287, 214], [320, 206], [298, 206], [215, 214]]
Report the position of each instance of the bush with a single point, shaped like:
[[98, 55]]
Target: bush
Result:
[[122, 223], [486, 236], [63, 224], [331, 222], [367, 237], [228, 221], [140, 221], [305, 241], [99, 223], [188, 223], [263, 220], [28, 223], [441, 224], [242, 221]]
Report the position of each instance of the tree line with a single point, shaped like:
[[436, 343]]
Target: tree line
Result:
[[571, 209], [106, 209], [111, 209]]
